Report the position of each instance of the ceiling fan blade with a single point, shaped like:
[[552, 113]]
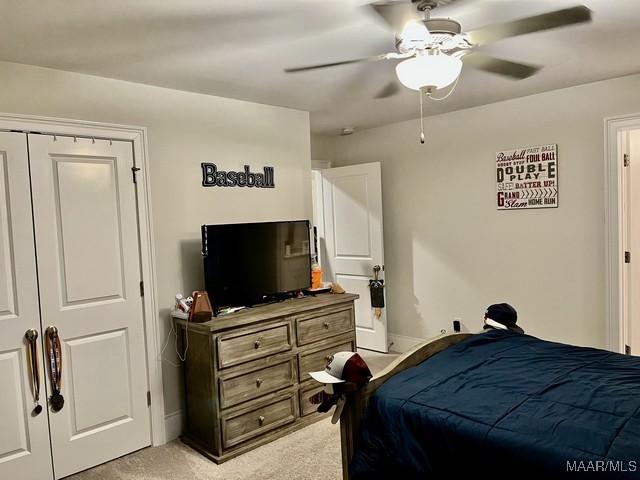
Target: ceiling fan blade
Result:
[[537, 23], [335, 64], [388, 90], [507, 68], [395, 14]]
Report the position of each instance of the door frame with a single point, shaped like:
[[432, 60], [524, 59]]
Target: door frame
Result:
[[138, 137], [616, 301], [318, 206]]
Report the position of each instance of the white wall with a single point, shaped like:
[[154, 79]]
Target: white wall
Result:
[[322, 147], [450, 253], [184, 130]]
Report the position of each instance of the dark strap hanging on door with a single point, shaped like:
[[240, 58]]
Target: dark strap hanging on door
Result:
[[376, 289]]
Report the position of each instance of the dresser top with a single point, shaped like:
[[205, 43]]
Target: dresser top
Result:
[[293, 306]]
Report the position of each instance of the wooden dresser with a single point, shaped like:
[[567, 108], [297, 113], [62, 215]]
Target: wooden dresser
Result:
[[246, 374]]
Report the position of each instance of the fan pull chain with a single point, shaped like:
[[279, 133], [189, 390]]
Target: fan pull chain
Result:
[[421, 118]]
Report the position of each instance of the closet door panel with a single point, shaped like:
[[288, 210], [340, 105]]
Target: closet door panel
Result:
[[24, 436], [14, 440], [8, 287], [79, 244], [89, 273]]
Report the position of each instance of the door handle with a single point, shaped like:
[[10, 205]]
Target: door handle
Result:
[[54, 359], [376, 271], [34, 366]]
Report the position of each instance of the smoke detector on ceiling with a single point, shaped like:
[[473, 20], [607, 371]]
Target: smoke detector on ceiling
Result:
[[347, 131]]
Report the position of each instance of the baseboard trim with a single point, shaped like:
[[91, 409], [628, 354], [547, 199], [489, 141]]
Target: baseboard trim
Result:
[[402, 343], [173, 423]]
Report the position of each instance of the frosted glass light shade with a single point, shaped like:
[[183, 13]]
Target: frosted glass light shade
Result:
[[431, 70], [415, 30]]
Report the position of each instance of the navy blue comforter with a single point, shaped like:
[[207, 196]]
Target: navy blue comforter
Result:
[[502, 401]]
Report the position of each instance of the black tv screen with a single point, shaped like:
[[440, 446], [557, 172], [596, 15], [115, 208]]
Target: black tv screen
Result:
[[249, 263]]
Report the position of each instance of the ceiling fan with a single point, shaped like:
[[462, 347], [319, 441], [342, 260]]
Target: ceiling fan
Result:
[[432, 51]]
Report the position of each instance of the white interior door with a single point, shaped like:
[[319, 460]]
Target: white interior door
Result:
[[353, 239], [24, 436], [89, 273]]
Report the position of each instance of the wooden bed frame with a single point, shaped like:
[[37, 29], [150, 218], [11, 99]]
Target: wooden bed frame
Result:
[[356, 402]]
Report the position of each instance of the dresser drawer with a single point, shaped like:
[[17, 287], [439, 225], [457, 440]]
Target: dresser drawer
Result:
[[239, 347], [239, 388], [317, 360], [240, 427], [310, 389], [312, 328]]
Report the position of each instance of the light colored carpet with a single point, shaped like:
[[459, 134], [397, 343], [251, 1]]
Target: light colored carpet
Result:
[[312, 453]]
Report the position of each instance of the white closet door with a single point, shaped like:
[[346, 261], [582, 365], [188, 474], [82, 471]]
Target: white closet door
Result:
[[89, 273], [24, 437]]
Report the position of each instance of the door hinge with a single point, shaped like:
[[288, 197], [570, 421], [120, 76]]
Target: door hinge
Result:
[[148, 399], [627, 257], [141, 288], [626, 159], [134, 171], [627, 350]]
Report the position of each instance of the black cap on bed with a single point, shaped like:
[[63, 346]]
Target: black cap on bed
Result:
[[503, 313]]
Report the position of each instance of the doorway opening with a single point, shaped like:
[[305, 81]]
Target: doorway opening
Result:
[[347, 208], [622, 187]]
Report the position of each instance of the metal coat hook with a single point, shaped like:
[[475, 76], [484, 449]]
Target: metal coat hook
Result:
[[93, 140], [110, 142], [75, 139], [55, 138]]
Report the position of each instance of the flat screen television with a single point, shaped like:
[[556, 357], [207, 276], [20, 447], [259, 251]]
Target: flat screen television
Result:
[[251, 263]]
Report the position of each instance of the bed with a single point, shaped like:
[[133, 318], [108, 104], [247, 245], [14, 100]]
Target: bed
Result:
[[492, 402]]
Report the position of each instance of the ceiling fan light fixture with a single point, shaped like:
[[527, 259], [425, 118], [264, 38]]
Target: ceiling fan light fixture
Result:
[[430, 69], [415, 31]]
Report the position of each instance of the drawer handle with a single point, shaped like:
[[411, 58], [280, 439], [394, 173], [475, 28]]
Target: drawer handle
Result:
[[261, 420], [258, 382], [257, 343], [326, 325]]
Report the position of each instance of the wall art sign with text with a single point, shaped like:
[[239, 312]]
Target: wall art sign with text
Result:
[[212, 177], [527, 178]]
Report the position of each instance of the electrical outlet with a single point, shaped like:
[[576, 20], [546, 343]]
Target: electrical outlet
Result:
[[457, 324]]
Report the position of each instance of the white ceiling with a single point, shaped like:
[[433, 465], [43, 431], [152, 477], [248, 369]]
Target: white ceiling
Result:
[[239, 49]]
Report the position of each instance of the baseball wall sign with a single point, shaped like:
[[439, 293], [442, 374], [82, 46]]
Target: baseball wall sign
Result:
[[212, 177], [527, 178]]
